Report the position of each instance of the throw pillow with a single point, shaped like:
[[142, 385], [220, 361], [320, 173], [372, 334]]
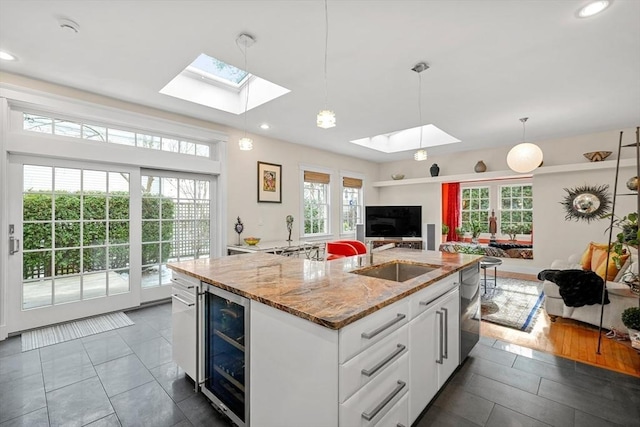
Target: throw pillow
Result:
[[585, 259], [599, 261]]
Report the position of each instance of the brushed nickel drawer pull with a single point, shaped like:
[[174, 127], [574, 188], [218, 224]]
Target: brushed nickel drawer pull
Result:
[[369, 335], [440, 337], [178, 282], [368, 372], [446, 333], [185, 302], [370, 415]]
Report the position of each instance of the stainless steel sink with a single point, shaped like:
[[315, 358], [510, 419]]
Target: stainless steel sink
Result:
[[397, 271]]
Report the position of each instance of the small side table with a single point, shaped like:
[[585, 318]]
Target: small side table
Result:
[[488, 262]]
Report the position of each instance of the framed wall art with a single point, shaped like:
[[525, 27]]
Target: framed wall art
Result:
[[269, 183]]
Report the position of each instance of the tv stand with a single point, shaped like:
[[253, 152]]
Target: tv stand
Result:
[[407, 244]]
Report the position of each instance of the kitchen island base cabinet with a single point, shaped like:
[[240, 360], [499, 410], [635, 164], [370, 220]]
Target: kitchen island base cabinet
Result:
[[294, 371], [434, 340]]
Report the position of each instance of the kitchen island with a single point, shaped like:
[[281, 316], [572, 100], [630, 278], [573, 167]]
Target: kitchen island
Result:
[[329, 345]]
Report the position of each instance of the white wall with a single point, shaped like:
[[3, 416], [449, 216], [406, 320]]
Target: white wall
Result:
[[267, 220]]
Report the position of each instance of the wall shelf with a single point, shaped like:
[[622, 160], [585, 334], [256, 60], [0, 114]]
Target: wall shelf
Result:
[[507, 174]]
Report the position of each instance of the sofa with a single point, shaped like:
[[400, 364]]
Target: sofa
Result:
[[619, 294]]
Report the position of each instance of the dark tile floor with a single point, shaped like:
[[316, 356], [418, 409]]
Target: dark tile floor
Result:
[[126, 377]]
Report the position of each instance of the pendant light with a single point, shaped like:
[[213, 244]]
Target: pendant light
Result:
[[326, 118], [421, 154], [525, 156], [245, 143]]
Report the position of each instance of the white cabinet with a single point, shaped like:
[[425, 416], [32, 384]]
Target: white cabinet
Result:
[[434, 342], [183, 322]]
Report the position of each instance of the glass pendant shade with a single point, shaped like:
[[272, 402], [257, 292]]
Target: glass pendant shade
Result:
[[245, 144], [420, 155], [524, 157], [326, 119]]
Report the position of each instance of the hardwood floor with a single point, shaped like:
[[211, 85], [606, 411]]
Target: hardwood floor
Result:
[[570, 339]]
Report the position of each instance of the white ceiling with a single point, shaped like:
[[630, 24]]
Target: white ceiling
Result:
[[492, 62]]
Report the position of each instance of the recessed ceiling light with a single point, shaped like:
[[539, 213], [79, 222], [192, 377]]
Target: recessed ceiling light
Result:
[[6, 56], [593, 8], [265, 126]]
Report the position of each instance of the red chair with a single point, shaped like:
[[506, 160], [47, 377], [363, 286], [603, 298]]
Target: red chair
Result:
[[360, 247], [344, 248], [336, 250]]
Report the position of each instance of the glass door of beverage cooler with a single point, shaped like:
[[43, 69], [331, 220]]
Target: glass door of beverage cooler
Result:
[[225, 356]]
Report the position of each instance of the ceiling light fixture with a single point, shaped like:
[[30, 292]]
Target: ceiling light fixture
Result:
[[6, 56], [593, 8], [421, 154], [326, 118], [265, 126], [245, 143], [525, 156]]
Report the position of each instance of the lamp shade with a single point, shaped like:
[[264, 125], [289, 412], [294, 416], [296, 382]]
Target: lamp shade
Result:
[[524, 157], [245, 144]]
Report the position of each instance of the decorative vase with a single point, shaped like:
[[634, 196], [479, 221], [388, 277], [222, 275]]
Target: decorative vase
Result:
[[434, 169], [632, 183], [480, 167]]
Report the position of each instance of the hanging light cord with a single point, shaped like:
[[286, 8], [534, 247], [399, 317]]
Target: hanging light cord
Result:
[[326, 48], [420, 105], [246, 98], [524, 120]]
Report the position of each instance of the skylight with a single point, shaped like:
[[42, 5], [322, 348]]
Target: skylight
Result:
[[217, 69], [407, 139], [214, 83]]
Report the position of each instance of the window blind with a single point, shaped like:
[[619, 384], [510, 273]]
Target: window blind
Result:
[[316, 177], [351, 182]]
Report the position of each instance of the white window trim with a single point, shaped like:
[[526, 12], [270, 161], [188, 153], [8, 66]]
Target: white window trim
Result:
[[499, 204], [332, 176], [357, 175]]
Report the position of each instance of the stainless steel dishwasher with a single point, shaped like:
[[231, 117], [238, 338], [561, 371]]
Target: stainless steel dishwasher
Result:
[[469, 309]]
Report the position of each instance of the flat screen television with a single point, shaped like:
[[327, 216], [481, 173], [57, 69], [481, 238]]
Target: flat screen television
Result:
[[393, 221]]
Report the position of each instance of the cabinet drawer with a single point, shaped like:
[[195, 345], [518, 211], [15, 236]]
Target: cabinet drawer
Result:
[[367, 331], [183, 281], [419, 301], [367, 365], [398, 416], [373, 401]]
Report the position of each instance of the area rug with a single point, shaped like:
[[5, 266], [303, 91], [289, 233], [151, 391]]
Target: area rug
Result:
[[513, 302], [69, 331]]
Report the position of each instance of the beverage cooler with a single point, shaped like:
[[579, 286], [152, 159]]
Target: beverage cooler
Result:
[[225, 359]]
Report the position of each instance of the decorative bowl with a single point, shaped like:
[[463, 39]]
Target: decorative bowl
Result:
[[251, 241], [597, 156], [397, 176]]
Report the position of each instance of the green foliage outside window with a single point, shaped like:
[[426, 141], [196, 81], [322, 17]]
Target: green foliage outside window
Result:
[[70, 236]]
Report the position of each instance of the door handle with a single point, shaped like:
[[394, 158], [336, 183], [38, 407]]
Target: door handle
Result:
[[446, 333], [14, 245]]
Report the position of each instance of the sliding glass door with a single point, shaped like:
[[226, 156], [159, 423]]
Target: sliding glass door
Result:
[[74, 222]]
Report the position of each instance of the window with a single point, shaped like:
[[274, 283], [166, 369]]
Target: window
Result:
[[316, 203], [76, 235], [475, 206], [351, 204], [92, 132], [175, 224], [516, 207]]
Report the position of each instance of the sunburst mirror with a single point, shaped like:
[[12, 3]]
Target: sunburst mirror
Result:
[[586, 203]]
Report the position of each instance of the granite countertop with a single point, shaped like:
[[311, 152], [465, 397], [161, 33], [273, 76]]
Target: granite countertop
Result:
[[323, 292]]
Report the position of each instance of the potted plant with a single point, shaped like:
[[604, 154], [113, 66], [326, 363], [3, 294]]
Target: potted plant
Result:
[[627, 237], [631, 319], [476, 229], [512, 230], [445, 232], [460, 232]]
